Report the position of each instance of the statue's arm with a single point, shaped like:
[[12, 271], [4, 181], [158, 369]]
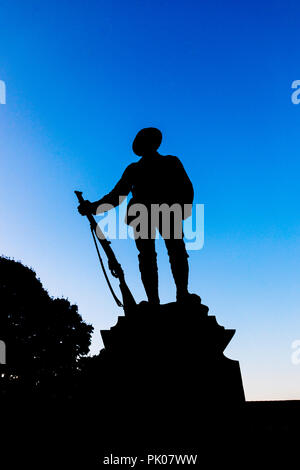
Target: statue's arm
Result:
[[187, 186], [118, 193]]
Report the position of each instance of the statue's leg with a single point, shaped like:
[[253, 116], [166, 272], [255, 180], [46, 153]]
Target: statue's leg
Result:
[[179, 265], [148, 268]]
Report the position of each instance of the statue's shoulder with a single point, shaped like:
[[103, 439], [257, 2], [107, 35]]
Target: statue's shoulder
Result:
[[172, 159], [131, 169]]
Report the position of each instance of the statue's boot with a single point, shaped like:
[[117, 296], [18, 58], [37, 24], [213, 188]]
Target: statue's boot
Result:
[[180, 271], [149, 275]]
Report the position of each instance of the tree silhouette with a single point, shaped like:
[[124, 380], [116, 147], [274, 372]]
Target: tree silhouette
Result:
[[45, 337]]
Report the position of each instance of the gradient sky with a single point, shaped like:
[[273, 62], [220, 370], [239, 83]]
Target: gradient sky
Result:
[[83, 77]]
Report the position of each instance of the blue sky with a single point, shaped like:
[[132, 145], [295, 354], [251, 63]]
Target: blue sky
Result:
[[83, 77]]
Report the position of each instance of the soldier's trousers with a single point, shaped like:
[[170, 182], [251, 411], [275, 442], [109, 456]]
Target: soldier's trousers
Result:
[[148, 265]]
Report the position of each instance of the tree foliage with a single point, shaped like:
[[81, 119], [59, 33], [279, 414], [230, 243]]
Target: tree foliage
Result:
[[45, 337]]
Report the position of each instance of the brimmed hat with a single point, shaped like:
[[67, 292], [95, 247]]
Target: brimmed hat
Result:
[[148, 139]]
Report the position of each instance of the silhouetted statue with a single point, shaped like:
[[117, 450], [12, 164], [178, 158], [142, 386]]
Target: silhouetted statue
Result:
[[153, 180]]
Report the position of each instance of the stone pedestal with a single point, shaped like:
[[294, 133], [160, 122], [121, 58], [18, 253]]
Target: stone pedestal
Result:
[[163, 371]]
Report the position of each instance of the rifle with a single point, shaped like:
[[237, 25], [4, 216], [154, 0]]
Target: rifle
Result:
[[114, 266]]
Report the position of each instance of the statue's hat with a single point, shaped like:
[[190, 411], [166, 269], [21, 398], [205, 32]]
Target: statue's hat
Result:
[[147, 140]]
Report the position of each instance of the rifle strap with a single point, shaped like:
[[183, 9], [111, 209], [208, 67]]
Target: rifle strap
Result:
[[118, 302]]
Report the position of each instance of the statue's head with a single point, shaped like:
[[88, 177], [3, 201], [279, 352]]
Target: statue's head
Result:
[[147, 141]]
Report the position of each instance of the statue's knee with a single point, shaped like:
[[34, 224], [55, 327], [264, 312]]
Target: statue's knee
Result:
[[177, 251], [147, 258]]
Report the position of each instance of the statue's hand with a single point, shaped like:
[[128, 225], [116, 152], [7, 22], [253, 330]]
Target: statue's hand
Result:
[[86, 207]]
